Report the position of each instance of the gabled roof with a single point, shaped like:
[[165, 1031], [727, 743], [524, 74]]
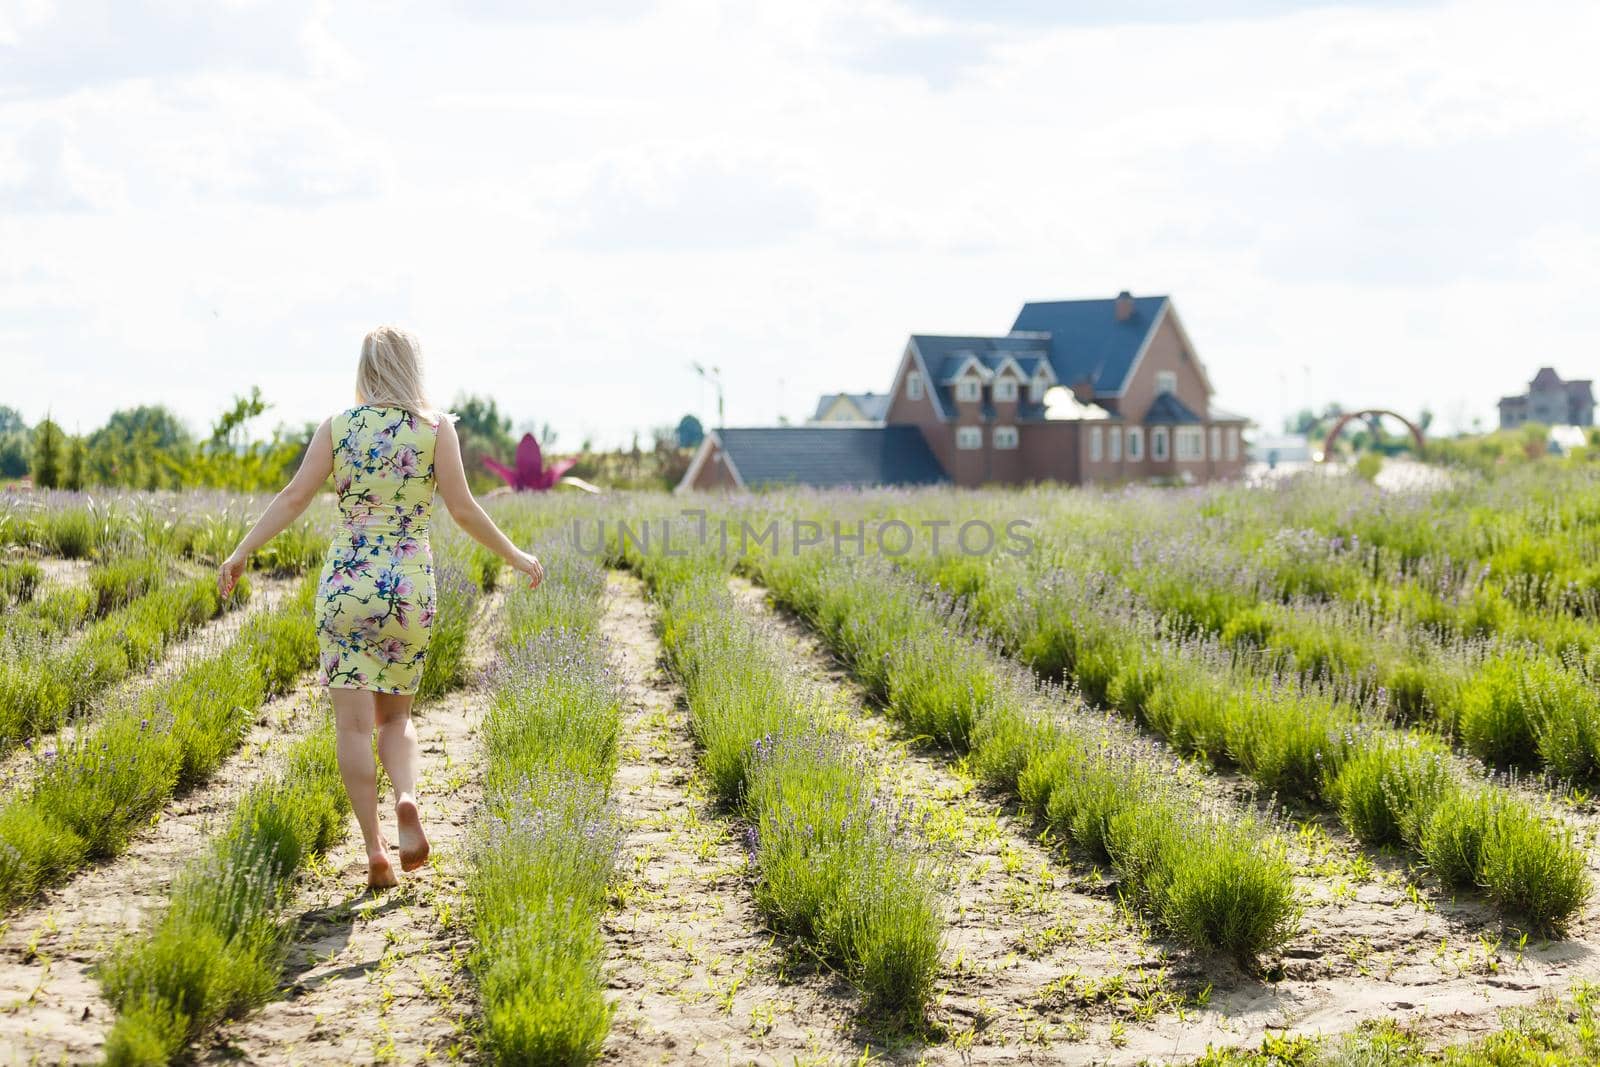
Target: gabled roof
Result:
[[1088, 343], [873, 406], [826, 456], [947, 357], [1169, 409]]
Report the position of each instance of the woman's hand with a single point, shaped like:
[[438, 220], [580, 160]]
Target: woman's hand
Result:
[[229, 572], [529, 564]]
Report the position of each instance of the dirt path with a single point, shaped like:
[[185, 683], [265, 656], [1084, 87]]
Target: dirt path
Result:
[[17, 767], [380, 978], [50, 1005], [1371, 943], [698, 978]]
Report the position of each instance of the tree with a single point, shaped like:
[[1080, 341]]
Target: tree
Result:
[[77, 460], [483, 431], [690, 432], [135, 441], [47, 455], [11, 420]]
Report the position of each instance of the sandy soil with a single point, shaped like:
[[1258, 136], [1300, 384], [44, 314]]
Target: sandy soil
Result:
[[50, 1005], [698, 977], [1376, 938], [380, 978]]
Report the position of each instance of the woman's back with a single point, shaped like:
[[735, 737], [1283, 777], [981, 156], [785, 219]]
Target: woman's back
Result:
[[377, 588], [383, 471]]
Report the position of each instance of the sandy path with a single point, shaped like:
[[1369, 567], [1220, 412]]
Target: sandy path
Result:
[[698, 977], [50, 1005], [1367, 946], [17, 767], [379, 978]]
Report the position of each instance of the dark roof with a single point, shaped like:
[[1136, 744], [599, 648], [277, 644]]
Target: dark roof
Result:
[[1086, 340], [1547, 378], [944, 357], [831, 456], [873, 405], [1168, 408]]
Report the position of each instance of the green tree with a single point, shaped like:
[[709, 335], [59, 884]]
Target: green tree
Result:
[[134, 442], [483, 431], [77, 461], [11, 421], [690, 432], [47, 455]]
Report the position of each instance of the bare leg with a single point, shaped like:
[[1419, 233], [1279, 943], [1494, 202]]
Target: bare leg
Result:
[[397, 747], [353, 718]]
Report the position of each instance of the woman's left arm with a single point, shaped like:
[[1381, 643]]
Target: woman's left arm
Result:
[[290, 503]]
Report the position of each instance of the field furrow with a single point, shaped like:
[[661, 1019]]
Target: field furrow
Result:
[[393, 960], [50, 1002], [18, 767], [1037, 951], [698, 976]]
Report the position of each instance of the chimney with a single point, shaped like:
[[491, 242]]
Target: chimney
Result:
[[1124, 306]]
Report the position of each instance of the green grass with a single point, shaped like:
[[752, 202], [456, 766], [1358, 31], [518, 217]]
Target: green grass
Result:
[[837, 866], [217, 949], [542, 852], [87, 797], [42, 683], [1217, 883]]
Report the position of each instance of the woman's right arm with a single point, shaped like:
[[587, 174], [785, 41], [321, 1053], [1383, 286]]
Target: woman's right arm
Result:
[[451, 476]]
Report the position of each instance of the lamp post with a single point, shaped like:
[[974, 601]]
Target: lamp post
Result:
[[714, 376]]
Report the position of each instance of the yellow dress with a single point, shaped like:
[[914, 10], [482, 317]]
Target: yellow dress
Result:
[[376, 598]]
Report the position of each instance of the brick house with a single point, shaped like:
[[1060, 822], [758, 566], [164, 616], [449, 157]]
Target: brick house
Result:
[[1550, 402], [1079, 391]]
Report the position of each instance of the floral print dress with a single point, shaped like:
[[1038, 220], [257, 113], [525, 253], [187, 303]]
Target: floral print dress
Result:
[[376, 596]]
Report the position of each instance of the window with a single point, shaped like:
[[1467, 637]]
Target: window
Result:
[[969, 390], [1190, 442], [914, 385], [1096, 444], [1115, 434], [1005, 437], [1135, 443], [969, 437], [1233, 443], [1166, 382], [1005, 389], [1158, 443], [1037, 387], [1216, 443]]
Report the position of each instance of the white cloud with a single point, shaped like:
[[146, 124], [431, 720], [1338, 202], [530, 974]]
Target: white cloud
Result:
[[569, 210]]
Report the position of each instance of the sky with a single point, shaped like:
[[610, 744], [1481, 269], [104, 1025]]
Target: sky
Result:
[[570, 204]]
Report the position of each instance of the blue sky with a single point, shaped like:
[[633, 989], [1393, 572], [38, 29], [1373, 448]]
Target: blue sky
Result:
[[1376, 203]]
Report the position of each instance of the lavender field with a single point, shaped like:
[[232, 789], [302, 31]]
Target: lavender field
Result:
[[1298, 774]]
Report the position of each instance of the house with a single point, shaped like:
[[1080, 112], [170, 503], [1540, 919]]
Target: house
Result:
[[1550, 401], [852, 408], [1078, 391]]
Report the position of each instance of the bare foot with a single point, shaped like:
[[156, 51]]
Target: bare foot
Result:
[[380, 873], [413, 842]]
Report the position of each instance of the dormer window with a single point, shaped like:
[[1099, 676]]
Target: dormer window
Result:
[[1005, 389], [1166, 382], [1037, 387], [914, 385], [969, 390]]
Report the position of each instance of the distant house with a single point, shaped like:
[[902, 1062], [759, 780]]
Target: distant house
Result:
[[1078, 391], [852, 408], [1550, 401], [824, 456]]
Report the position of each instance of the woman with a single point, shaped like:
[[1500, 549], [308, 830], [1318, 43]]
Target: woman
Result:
[[387, 456]]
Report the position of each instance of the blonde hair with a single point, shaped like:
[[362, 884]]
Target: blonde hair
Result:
[[390, 372]]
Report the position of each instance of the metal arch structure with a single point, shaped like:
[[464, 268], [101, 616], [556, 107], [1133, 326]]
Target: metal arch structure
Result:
[[1351, 416]]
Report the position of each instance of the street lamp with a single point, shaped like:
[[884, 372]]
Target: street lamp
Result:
[[714, 376]]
